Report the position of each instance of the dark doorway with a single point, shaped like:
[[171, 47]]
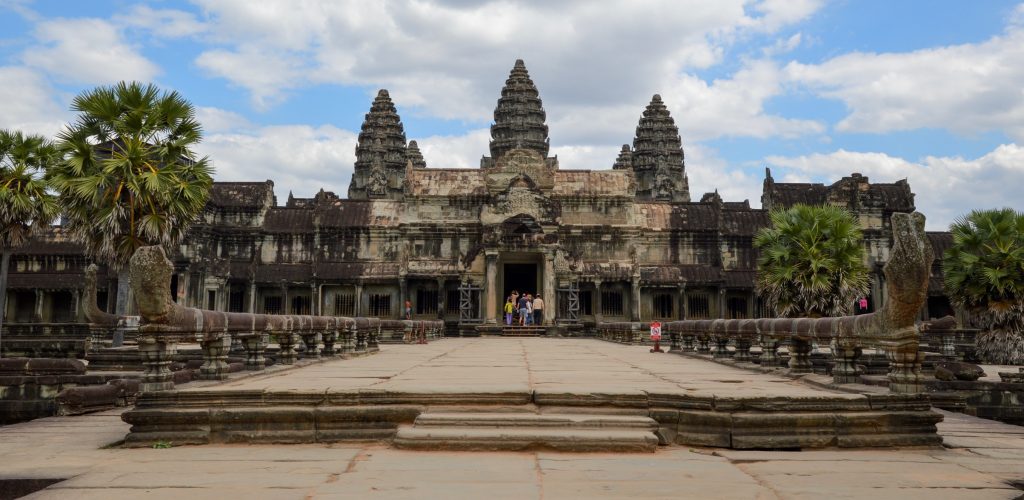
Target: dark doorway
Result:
[[520, 277]]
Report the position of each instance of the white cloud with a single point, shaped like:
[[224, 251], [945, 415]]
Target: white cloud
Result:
[[89, 51], [946, 187], [298, 158], [455, 151], [216, 120], [968, 88], [448, 59], [164, 23], [29, 102]]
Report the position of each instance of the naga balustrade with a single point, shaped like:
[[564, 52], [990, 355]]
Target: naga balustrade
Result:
[[163, 324], [624, 332], [397, 331], [892, 328]]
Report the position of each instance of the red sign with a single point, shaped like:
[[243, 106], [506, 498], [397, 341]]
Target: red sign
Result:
[[656, 330]]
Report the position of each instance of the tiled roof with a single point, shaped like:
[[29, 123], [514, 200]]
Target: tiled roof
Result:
[[789, 194], [272, 273], [744, 222], [288, 220]]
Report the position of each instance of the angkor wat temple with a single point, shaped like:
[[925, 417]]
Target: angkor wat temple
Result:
[[616, 244]]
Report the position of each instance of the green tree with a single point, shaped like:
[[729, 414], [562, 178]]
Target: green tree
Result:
[[26, 204], [984, 274], [811, 262], [129, 176]]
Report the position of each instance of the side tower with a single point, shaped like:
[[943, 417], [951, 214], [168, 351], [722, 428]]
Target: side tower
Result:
[[380, 153], [657, 156], [519, 118]]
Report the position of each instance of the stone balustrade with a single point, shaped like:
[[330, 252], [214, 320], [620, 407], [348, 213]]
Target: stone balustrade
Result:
[[892, 328], [398, 331], [623, 332], [164, 324]]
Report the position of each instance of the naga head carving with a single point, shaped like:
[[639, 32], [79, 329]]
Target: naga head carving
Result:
[[908, 269], [151, 281]]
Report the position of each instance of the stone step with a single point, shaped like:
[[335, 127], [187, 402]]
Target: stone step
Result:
[[465, 438], [522, 331], [521, 420], [529, 431]]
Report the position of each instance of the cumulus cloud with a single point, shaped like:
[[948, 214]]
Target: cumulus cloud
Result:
[[968, 88], [946, 187], [29, 102], [89, 51], [164, 23], [448, 59], [298, 158]]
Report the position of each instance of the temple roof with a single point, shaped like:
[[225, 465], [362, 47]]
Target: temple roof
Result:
[[593, 183], [240, 194], [446, 182], [519, 118], [413, 154]]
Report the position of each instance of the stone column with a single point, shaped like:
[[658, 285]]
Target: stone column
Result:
[[491, 300], [634, 306], [682, 302], [156, 355], [596, 303], [76, 301], [550, 295], [845, 355], [359, 300], [316, 294], [769, 352], [721, 303], [403, 292], [312, 342], [905, 369], [441, 297], [255, 350], [286, 340], [38, 313], [215, 358], [800, 356], [252, 297]]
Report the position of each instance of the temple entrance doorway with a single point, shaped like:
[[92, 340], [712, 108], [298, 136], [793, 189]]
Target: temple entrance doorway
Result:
[[521, 277]]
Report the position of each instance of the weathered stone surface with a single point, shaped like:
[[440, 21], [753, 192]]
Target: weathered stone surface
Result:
[[956, 370]]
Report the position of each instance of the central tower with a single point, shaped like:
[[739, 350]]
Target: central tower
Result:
[[519, 118]]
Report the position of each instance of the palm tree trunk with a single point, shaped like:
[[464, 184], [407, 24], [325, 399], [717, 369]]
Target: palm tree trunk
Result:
[[124, 291], [4, 262]]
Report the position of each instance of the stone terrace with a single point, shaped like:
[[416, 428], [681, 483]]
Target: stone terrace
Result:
[[981, 459]]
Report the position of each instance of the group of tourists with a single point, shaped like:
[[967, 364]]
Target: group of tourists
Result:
[[524, 309]]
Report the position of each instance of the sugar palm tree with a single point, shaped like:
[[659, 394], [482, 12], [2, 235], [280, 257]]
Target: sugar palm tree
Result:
[[984, 274], [129, 176], [26, 204], [811, 262]]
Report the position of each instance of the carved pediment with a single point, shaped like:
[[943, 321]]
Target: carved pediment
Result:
[[520, 168]]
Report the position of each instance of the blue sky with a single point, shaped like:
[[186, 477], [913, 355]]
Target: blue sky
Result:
[[928, 91]]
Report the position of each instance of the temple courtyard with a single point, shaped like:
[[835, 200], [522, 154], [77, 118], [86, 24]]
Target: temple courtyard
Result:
[[85, 456]]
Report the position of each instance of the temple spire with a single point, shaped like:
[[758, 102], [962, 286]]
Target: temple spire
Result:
[[413, 154], [380, 152], [625, 159], [658, 156], [519, 118]]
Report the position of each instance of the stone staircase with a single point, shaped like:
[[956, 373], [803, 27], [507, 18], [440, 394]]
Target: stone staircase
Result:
[[529, 431], [522, 331]]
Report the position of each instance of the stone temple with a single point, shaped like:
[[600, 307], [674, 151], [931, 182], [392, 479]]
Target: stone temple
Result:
[[623, 242]]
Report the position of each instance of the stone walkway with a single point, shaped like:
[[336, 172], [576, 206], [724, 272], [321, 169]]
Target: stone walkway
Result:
[[982, 459]]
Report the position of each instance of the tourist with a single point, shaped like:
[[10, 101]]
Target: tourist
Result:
[[509, 306], [522, 310], [538, 310], [515, 305], [408, 309], [529, 309]]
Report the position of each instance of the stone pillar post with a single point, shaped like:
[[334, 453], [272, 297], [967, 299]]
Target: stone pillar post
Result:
[[156, 355], [252, 297], [215, 358], [687, 342], [905, 369], [550, 295], [742, 349], [348, 340], [286, 341], [597, 303], [312, 342], [800, 356], [634, 306], [682, 302], [721, 342], [441, 298], [403, 292], [769, 352], [316, 296], [721, 303], [255, 350], [37, 315], [491, 278], [359, 300], [76, 303], [845, 355], [330, 337]]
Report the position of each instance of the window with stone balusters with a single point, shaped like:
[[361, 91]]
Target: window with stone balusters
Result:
[[345, 304], [380, 304]]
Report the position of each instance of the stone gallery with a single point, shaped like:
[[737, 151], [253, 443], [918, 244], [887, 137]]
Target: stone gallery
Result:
[[625, 243]]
